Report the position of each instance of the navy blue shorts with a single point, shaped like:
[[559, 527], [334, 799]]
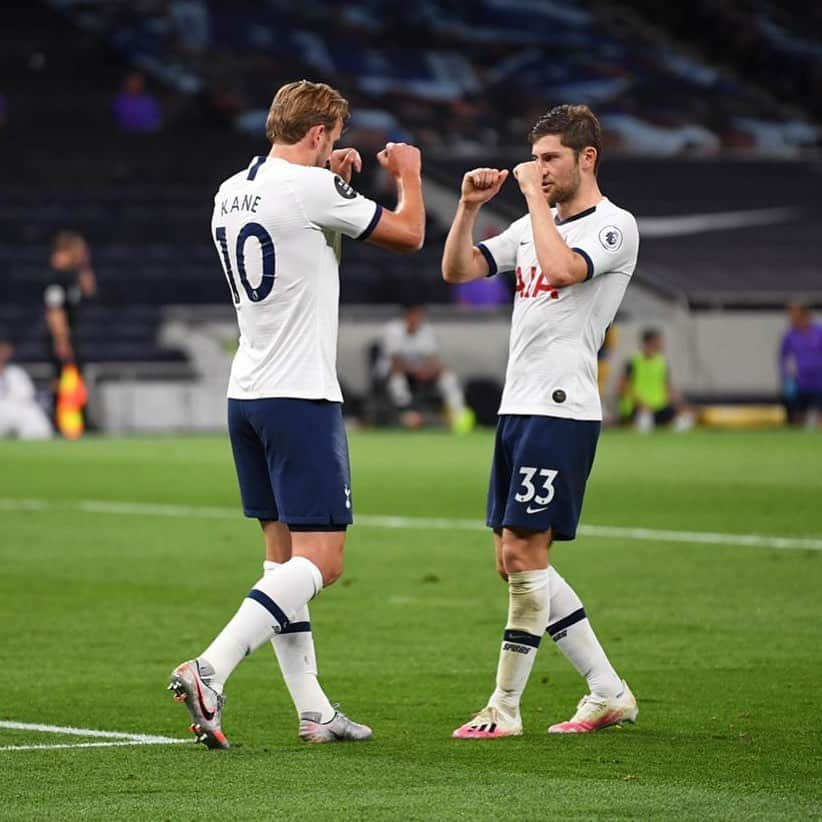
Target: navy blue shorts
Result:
[[292, 462], [538, 476]]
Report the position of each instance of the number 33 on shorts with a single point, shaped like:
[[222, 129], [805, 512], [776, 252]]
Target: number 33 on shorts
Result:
[[528, 490]]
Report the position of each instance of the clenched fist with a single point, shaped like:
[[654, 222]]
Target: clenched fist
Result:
[[481, 184], [400, 159], [529, 177]]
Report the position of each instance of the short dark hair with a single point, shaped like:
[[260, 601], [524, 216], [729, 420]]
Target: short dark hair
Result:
[[299, 106], [651, 334], [577, 127], [66, 239]]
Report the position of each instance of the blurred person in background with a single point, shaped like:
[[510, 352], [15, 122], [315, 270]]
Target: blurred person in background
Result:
[[800, 367], [20, 415], [647, 396], [72, 284], [410, 362], [136, 110]]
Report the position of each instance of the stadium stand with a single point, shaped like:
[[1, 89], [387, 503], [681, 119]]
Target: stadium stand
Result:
[[698, 143], [484, 70]]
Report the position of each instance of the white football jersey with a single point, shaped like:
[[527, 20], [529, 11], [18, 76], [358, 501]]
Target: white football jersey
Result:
[[277, 227], [557, 332], [413, 348]]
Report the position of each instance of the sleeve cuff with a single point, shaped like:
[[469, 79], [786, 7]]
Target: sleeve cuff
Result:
[[489, 258], [588, 261], [373, 224]]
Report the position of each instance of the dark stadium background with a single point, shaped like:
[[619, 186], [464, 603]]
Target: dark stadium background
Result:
[[699, 556], [707, 113]]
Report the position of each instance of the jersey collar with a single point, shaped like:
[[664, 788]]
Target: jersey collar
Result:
[[573, 217]]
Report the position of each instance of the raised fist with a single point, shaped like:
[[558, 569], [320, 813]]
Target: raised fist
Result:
[[481, 184], [399, 159]]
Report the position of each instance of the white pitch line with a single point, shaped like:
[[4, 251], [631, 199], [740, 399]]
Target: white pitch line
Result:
[[121, 744], [121, 737], [425, 523]]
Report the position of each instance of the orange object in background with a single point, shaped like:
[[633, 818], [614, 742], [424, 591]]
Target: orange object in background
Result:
[[71, 400]]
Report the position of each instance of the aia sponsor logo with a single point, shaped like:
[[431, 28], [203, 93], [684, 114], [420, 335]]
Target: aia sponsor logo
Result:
[[536, 284]]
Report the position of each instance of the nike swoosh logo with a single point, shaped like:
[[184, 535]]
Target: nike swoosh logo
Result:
[[720, 221], [209, 715], [530, 510]]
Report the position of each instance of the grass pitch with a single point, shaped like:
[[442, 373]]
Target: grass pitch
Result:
[[122, 557]]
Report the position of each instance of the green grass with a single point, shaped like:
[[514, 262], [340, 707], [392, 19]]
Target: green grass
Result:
[[721, 644]]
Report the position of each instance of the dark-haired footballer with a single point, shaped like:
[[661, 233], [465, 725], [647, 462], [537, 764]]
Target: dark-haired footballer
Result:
[[573, 255]]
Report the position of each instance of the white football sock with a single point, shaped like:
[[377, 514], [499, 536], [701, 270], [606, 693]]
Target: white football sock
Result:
[[399, 390], [451, 391], [271, 604], [294, 648], [575, 637], [528, 604]]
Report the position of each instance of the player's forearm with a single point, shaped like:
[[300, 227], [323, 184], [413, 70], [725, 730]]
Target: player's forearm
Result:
[[458, 255], [411, 209], [555, 259], [57, 323]]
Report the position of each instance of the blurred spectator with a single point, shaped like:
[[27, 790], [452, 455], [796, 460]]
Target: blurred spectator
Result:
[[647, 396], [73, 282], [135, 110], [410, 362], [20, 415], [800, 366]]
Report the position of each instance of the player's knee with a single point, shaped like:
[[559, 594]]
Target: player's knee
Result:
[[521, 551], [514, 558], [331, 569]]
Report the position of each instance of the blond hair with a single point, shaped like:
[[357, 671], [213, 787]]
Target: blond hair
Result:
[[299, 106]]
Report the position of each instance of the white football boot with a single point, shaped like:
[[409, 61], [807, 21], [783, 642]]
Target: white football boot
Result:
[[338, 729], [594, 713], [489, 723]]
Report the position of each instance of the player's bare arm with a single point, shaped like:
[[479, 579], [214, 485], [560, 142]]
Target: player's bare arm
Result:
[[560, 264], [57, 322], [461, 261], [402, 229]]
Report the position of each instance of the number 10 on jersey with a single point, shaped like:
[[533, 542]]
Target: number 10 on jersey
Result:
[[258, 292]]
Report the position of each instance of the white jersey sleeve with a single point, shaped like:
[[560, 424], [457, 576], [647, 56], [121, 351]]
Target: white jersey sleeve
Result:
[[329, 202], [612, 247], [54, 296], [500, 252]]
